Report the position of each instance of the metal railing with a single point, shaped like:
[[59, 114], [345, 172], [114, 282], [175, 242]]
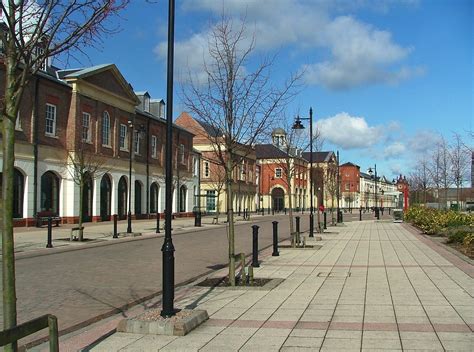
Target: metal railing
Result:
[[30, 327]]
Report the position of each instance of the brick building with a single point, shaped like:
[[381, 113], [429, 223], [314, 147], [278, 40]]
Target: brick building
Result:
[[350, 185], [212, 175], [283, 173], [94, 111]]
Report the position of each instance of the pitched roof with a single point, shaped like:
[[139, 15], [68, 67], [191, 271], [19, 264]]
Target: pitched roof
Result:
[[212, 131], [269, 151], [318, 157], [350, 164], [82, 72]]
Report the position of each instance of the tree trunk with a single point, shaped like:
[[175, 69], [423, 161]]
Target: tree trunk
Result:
[[8, 252], [230, 223], [290, 206]]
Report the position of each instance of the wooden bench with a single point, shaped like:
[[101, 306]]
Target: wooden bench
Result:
[[74, 229], [43, 216]]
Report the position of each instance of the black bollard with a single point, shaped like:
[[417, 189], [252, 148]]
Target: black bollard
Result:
[[285, 211], [50, 233], [297, 224], [311, 225], [325, 221], [275, 239], [115, 227], [273, 211], [388, 211], [360, 214], [255, 246], [268, 210], [157, 223]]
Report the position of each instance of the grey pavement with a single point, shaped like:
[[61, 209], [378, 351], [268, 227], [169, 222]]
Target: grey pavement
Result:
[[82, 286], [372, 286]]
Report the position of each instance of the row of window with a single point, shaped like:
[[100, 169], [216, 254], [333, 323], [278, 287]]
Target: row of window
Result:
[[50, 130]]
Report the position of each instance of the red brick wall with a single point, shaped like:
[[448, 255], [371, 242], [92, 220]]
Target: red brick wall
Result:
[[350, 175]]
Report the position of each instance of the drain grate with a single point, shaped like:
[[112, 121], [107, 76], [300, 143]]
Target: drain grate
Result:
[[334, 274]]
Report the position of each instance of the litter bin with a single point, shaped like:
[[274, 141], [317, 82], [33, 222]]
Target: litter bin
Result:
[[339, 216], [397, 215]]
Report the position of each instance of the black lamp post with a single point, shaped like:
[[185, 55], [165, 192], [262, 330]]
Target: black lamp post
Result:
[[299, 126], [130, 151], [168, 247], [242, 174], [377, 215]]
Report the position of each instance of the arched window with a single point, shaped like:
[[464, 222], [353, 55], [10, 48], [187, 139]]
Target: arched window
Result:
[[122, 198], [87, 198], [50, 192], [182, 199], [18, 192], [154, 191], [105, 198], [138, 197], [106, 129]]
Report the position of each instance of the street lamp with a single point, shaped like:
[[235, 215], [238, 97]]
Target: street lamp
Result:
[[242, 175], [299, 126], [168, 248], [377, 215], [132, 150]]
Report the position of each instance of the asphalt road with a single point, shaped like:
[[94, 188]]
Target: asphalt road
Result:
[[79, 285]]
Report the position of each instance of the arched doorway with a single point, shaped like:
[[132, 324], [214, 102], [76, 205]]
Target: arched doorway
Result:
[[278, 199], [154, 191], [50, 192], [105, 198], [87, 198], [138, 197], [122, 198], [18, 192], [182, 199]]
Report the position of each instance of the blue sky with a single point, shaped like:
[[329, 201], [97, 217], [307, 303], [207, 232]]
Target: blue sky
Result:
[[383, 77]]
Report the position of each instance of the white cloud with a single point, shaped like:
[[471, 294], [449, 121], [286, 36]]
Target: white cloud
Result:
[[423, 141], [360, 54], [349, 132], [394, 150]]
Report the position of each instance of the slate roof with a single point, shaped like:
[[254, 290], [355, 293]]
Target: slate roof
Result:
[[212, 131], [318, 157], [269, 151], [78, 72]]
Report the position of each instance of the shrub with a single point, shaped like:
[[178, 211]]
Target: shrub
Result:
[[457, 237], [433, 221]]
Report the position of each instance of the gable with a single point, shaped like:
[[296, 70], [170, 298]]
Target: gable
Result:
[[107, 80]]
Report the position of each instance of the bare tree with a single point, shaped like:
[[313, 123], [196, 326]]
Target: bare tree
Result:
[[444, 168], [235, 100], [420, 180], [291, 162], [85, 166], [459, 163], [31, 34]]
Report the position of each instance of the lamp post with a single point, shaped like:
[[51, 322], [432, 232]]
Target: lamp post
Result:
[[377, 215], [339, 217], [130, 151], [299, 126], [242, 174], [168, 248]]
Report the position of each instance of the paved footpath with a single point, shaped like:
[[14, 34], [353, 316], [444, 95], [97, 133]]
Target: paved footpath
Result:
[[372, 286]]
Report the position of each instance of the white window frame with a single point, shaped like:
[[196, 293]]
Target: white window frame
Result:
[[195, 167], [206, 169], [86, 127], [279, 171], [53, 119], [123, 146], [106, 131], [153, 147], [136, 142]]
